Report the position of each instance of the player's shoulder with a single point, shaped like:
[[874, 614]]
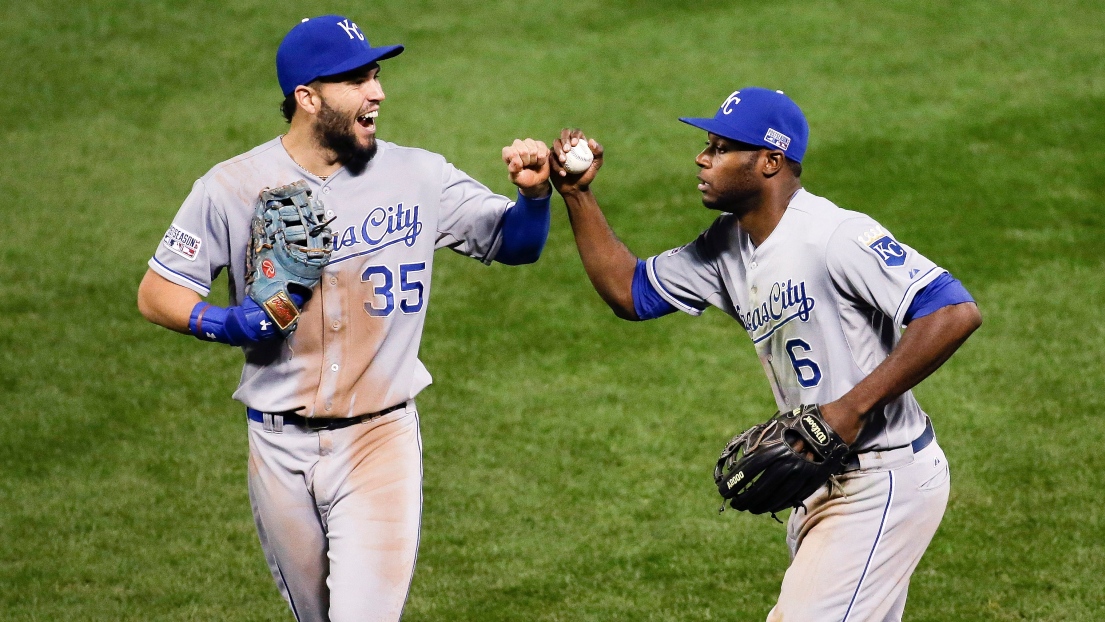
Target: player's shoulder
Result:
[[824, 219], [820, 210], [404, 153], [262, 156]]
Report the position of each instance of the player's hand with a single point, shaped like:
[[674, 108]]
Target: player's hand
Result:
[[527, 161], [563, 181], [845, 421]]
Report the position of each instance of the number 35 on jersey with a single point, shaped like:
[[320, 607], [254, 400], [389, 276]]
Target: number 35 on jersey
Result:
[[389, 289]]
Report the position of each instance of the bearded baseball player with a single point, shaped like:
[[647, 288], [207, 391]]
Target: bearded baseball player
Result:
[[823, 293], [328, 235]]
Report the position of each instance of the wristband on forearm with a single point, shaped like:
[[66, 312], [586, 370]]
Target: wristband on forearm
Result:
[[234, 326]]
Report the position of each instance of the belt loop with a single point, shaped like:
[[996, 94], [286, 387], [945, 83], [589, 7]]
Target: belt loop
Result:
[[266, 422], [277, 423]]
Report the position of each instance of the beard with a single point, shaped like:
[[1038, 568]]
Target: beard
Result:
[[334, 132]]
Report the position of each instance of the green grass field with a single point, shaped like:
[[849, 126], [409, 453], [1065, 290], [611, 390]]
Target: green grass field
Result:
[[567, 453]]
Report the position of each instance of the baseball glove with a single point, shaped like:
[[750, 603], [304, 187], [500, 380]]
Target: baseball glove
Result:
[[289, 248], [759, 471]]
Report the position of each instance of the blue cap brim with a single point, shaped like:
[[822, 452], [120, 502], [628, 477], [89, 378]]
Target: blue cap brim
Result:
[[371, 55], [714, 126]]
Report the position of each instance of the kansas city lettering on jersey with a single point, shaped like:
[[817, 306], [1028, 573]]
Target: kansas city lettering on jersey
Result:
[[784, 302], [382, 227]]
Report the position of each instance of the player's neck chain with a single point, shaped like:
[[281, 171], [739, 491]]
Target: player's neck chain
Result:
[[301, 167]]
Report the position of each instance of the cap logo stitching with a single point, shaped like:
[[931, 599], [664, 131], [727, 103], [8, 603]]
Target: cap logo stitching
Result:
[[351, 29], [731, 101], [777, 138]]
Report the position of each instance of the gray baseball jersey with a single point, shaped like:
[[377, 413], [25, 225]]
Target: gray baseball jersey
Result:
[[356, 348], [823, 299]]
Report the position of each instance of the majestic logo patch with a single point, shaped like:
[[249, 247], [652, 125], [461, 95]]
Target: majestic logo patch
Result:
[[815, 430], [268, 268], [777, 138], [182, 243]]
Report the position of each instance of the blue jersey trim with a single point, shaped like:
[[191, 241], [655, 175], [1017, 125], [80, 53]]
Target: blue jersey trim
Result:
[[919, 284], [648, 304], [654, 279], [525, 229], [205, 288], [945, 290]]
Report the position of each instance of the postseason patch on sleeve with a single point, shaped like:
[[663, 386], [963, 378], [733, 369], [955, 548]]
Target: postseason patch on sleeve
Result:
[[182, 243]]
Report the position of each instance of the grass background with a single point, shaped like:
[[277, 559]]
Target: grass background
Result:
[[567, 454]]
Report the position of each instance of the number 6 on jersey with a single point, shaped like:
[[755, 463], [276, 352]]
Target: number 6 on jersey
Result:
[[809, 374]]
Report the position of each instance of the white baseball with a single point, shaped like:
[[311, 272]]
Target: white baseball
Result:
[[579, 158]]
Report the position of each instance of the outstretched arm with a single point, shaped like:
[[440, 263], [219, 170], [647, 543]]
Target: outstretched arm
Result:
[[927, 343], [608, 262]]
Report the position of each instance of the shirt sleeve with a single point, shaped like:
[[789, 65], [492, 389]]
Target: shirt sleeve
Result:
[[471, 216], [195, 248], [687, 277], [866, 263], [944, 291]]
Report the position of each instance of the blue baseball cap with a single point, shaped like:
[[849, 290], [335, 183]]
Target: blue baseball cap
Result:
[[325, 46], [760, 117]]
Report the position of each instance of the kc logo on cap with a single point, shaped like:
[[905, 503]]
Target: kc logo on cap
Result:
[[733, 100], [351, 29]]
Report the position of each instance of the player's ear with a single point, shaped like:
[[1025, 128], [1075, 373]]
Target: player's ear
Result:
[[771, 162], [308, 98]]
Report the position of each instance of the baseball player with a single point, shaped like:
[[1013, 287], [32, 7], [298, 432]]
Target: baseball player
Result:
[[335, 461], [823, 293]]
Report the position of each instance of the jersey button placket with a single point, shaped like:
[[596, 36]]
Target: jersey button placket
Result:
[[331, 312]]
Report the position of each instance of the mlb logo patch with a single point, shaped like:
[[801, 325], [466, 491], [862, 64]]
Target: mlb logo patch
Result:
[[777, 138], [889, 251], [182, 243]]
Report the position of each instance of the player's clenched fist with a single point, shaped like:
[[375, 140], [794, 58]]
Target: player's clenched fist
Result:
[[562, 176], [527, 161]]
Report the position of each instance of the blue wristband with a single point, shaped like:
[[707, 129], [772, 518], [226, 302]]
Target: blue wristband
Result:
[[525, 229], [236, 326]]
